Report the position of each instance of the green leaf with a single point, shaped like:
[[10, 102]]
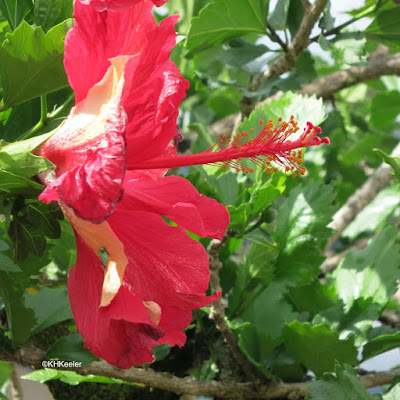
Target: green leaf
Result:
[[314, 297], [279, 16], [317, 347], [6, 264], [19, 317], [70, 348], [270, 320], [46, 12], [51, 12], [32, 62], [295, 16], [50, 306], [17, 120], [70, 377], [394, 162], [11, 185], [225, 19], [63, 250], [393, 394], [385, 107], [260, 197], [31, 223], [5, 374], [303, 108], [348, 48], [343, 385], [358, 320], [43, 375], [301, 232], [385, 27], [375, 214], [261, 332], [380, 344], [371, 272], [15, 10], [18, 159], [248, 57]]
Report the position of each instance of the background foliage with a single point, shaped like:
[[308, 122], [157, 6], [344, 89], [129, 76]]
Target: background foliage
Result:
[[301, 305]]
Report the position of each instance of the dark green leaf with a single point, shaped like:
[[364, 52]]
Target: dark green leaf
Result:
[[385, 27], [70, 348], [15, 10], [371, 272], [394, 162], [19, 317], [17, 120], [295, 16], [50, 306], [317, 347], [31, 224], [63, 250], [313, 298], [277, 19], [385, 107], [301, 232], [270, 320], [225, 19], [32, 63], [250, 58], [343, 385], [6, 264], [46, 12], [381, 344]]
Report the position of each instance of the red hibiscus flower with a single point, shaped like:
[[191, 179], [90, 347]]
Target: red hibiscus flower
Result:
[[127, 93], [137, 278]]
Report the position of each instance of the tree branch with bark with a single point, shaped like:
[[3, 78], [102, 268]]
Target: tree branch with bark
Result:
[[31, 356]]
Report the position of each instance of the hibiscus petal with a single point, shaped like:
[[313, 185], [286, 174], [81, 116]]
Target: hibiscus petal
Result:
[[122, 332], [153, 85], [174, 321], [117, 5], [177, 199], [89, 151], [97, 37], [165, 264], [153, 91]]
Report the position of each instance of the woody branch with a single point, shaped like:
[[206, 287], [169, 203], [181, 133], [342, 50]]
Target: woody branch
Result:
[[275, 390]]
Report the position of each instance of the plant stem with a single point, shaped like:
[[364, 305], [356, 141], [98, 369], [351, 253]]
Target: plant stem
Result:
[[275, 37], [62, 108], [46, 118]]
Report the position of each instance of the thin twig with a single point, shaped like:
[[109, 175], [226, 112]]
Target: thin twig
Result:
[[229, 390], [277, 39]]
